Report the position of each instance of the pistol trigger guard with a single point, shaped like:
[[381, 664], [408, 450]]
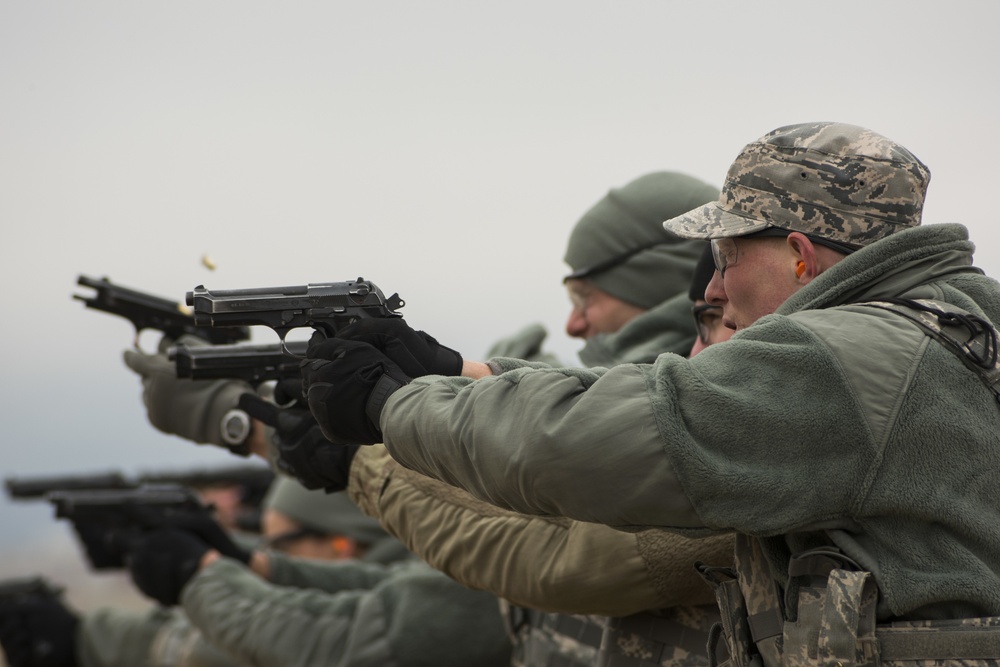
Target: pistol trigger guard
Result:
[[284, 344], [282, 334]]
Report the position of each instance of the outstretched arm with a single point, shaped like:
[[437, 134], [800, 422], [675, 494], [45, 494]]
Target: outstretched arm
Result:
[[553, 564], [412, 614]]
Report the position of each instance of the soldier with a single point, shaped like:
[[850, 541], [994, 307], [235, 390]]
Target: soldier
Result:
[[629, 303], [628, 286], [628, 276], [707, 317], [328, 586], [577, 568], [583, 569], [296, 522], [659, 609], [847, 433]]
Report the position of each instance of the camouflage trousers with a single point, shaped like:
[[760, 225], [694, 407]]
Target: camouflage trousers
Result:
[[675, 637], [830, 621], [543, 639]]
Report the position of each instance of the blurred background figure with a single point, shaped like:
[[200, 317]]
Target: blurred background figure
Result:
[[302, 529], [629, 277]]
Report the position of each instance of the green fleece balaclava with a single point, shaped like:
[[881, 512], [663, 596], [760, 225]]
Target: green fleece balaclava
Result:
[[621, 246], [329, 513]]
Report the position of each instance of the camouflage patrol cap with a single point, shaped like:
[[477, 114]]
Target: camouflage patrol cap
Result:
[[833, 181]]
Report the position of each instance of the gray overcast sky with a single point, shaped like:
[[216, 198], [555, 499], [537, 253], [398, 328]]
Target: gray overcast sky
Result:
[[441, 149]]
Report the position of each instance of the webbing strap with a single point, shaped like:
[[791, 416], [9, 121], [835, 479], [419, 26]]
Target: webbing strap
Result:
[[972, 643], [657, 632], [766, 624], [976, 346], [848, 616]]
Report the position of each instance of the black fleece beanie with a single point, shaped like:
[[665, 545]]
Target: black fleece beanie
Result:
[[703, 273]]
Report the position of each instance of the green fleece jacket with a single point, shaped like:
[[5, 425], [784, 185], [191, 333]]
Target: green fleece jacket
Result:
[[826, 422], [384, 610], [347, 614], [165, 637], [160, 637]]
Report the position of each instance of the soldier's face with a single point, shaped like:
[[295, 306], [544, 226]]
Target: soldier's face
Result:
[[708, 322], [594, 311], [759, 276], [284, 534]]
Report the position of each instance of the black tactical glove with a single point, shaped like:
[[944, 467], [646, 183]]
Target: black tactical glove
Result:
[[347, 383], [208, 530], [162, 561], [415, 352], [288, 394], [303, 450], [38, 631]]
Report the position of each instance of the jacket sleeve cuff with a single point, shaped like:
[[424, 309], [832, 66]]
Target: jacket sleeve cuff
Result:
[[370, 472]]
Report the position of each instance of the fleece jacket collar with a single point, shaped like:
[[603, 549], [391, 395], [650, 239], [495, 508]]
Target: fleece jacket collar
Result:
[[669, 327], [898, 265]]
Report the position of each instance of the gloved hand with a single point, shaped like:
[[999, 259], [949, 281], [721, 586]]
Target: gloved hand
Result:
[[163, 561], [303, 450], [208, 530], [192, 409], [288, 394], [38, 631], [347, 383], [415, 352], [525, 344]]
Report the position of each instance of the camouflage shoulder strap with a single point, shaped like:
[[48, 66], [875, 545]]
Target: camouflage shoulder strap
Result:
[[972, 338]]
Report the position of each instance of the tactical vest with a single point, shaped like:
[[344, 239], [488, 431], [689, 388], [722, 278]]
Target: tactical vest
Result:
[[826, 617], [825, 614]]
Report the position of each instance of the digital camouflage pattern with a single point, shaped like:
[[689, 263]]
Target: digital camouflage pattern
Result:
[[542, 639], [675, 637], [744, 592], [829, 619], [836, 181]]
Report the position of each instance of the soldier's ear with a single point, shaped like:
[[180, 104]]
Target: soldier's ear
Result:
[[804, 261]]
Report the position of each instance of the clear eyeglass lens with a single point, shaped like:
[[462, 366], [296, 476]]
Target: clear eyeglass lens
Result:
[[724, 254]]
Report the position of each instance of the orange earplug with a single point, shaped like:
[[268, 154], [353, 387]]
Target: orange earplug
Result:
[[800, 268], [342, 546]]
